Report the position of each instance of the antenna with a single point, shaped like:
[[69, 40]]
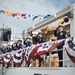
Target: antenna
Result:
[[2, 32]]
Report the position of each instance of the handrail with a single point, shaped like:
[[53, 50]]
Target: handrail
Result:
[[50, 61], [51, 56]]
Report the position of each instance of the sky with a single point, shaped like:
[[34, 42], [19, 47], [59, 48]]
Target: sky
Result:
[[36, 7]]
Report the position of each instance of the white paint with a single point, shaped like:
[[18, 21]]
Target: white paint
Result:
[[43, 71]]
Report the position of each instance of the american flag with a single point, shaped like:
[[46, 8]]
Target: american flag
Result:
[[41, 49], [17, 58], [49, 46], [7, 59], [70, 48], [30, 52], [34, 50]]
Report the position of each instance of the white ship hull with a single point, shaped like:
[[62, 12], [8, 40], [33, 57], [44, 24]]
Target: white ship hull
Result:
[[42, 71]]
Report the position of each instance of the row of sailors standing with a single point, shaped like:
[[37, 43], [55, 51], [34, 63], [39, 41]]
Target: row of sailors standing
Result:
[[14, 47], [39, 40], [10, 48], [18, 45]]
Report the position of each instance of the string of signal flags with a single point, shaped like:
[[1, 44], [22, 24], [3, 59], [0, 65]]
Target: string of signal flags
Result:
[[24, 15]]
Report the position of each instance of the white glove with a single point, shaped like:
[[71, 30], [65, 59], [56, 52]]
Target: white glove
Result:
[[55, 28]]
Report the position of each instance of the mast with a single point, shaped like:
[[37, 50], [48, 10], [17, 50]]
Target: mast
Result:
[[2, 32]]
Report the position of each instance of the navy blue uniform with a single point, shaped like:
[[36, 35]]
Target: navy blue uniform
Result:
[[9, 49], [27, 43], [14, 48], [41, 40], [19, 46], [60, 35], [4, 51]]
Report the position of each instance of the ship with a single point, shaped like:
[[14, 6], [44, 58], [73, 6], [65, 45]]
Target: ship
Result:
[[68, 66]]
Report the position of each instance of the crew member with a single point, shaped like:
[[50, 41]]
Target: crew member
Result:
[[61, 34], [27, 42], [9, 48], [14, 47], [40, 38], [19, 44], [4, 50]]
